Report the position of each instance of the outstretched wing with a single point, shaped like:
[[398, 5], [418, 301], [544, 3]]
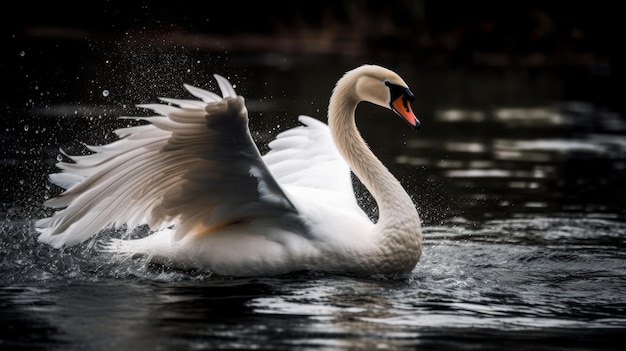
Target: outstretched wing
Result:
[[195, 165], [307, 157]]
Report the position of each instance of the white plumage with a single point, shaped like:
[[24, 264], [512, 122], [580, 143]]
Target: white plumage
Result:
[[195, 176]]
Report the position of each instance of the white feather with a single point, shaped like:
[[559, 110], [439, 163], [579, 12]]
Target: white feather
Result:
[[196, 177], [202, 94]]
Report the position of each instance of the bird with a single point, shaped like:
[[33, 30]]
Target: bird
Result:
[[194, 176]]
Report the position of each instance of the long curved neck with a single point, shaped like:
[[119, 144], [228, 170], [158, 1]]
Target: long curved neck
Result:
[[397, 213]]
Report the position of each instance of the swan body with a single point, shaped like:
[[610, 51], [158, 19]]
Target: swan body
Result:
[[194, 175]]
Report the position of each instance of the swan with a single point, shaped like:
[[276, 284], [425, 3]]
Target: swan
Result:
[[195, 177]]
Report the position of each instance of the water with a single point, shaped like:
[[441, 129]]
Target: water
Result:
[[512, 284], [519, 181]]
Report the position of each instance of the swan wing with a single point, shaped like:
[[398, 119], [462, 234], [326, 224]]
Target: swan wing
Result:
[[306, 157], [193, 165]]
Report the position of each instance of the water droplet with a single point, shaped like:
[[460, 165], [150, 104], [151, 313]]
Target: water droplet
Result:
[[105, 93], [26, 127], [59, 157], [22, 53]]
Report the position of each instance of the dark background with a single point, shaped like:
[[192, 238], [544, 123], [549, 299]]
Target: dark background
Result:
[[572, 37], [59, 59]]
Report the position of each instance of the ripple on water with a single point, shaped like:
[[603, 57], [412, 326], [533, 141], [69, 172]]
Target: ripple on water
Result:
[[495, 279]]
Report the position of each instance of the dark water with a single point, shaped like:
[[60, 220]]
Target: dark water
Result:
[[518, 175], [503, 284]]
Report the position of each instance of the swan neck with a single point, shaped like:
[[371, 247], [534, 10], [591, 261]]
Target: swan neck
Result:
[[396, 209]]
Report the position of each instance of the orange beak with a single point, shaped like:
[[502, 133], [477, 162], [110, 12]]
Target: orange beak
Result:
[[402, 107]]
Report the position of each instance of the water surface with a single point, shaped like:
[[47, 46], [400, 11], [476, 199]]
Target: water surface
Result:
[[515, 284], [519, 184]]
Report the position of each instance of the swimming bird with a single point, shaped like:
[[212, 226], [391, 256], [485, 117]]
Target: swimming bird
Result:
[[194, 175]]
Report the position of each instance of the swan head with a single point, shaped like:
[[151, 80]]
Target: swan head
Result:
[[385, 88]]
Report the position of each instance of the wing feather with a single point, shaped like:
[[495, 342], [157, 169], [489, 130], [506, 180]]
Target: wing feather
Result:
[[195, 167], [306, 156], [225, 87], [184, 103], [202, 94]]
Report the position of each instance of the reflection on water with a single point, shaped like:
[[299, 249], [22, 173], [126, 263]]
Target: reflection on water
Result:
[[526, 161], [503, 282], [521, 194]]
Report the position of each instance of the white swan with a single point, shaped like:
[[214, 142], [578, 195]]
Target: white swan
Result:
[[195, 176]]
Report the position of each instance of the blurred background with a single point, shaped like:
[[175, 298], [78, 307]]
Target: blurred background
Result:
[[520, 100], [518, 171]]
